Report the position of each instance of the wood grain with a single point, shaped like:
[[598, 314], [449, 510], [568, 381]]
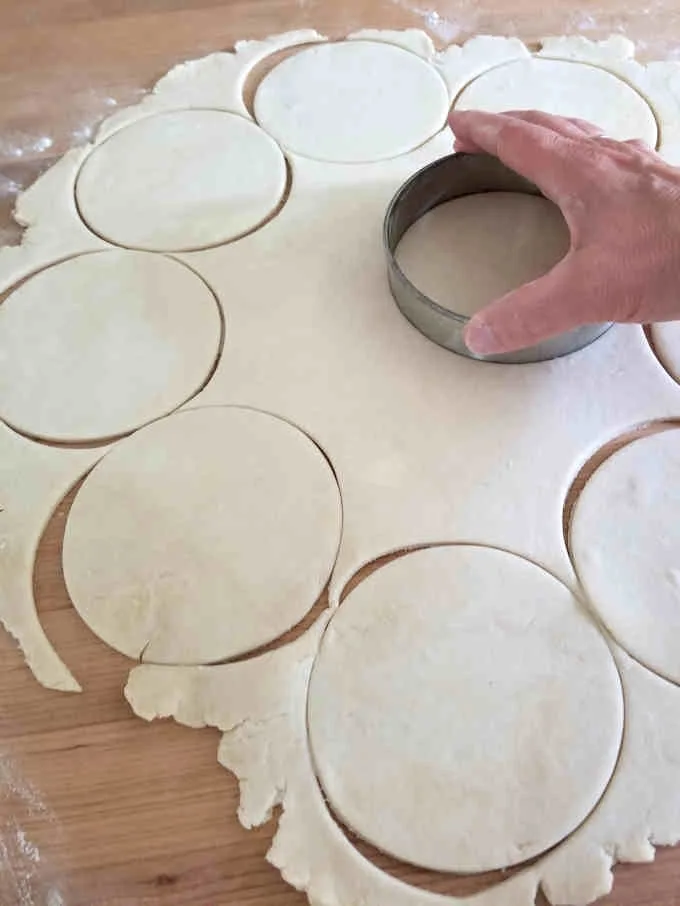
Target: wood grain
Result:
[[96, 807]]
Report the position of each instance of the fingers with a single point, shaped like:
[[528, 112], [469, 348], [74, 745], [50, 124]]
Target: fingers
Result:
[[569, 127], [549, 159], [563, 299]]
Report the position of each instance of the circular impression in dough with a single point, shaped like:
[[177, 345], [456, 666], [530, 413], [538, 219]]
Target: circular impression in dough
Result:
[[446, 254], [203, 536], [357, 101], [465, 714], [182, 180], [666, 340], [100, 344], [565, 88], [625, 543]]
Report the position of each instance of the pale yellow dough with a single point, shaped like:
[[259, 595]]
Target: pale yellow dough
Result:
[[353, 101], [181, 180], [98, 345], [565, 88], [456, 691], [428, 447], [625, 540], [469, 252], [203, 536]]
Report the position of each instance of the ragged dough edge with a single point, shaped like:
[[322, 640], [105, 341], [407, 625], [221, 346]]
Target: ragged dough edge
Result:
[[215, 81], [260, 705], [33, 480], [54, 230], [460, 64], [412, 39], [658, 83]]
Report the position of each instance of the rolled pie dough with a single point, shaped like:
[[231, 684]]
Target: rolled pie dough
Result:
[[98, 345], [427, 446], [203, 536], [353, 101], [468, 252], [184, 179], [564, 88], [456, 692], [625, 542]]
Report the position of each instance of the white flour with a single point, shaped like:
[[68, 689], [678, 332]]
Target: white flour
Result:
[[21, 879]]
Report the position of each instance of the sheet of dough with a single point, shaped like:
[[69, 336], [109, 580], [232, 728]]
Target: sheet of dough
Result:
[[352, 101], [458, 690], [203, 536], [566, 88], [625, 541], [427, 447], [100, 344], [468, 252], [261, 707], [181, 180]]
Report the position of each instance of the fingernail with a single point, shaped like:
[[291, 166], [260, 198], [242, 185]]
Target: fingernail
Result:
[[481, 339]]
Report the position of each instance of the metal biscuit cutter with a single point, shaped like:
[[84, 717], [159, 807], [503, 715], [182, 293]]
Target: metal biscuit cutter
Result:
[[452, 177]]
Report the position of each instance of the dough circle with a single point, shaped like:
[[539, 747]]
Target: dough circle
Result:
[[666, 340], [182, 180], [468, 252], [100, 344], [565, 88], [203, 536], [625, 543], [465, 714], [352, 102]]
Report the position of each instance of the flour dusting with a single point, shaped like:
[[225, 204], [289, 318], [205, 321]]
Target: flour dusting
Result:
[[443, 28]]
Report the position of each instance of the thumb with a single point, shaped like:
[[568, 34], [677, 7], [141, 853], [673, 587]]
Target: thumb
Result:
[[558, 302]]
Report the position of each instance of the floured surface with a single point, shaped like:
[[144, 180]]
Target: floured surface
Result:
[[427, 447], [468, 252], [96, 346], [625, 540], [457, 690], [203, 536], [566, 89]]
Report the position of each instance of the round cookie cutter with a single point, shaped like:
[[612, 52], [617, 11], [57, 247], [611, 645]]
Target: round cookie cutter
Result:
[[447, 178]]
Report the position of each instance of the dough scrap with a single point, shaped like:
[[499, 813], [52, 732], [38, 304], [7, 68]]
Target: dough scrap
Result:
[[33, 479], [351, 102], [566, 88], [100, 344], [666, 340], [222, 526], [456, 691], [182, 179], [625, 541], [468, 252]]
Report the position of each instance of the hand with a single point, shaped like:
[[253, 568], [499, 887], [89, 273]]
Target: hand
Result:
[[622, 205]]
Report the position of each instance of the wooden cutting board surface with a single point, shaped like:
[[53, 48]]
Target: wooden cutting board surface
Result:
[[98, 808]]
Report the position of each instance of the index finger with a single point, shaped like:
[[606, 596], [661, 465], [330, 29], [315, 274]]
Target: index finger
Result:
[[547, 158]]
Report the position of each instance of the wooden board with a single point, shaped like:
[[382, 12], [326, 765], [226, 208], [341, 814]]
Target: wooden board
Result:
[[96, 807]]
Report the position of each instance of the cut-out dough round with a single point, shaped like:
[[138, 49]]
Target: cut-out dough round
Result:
[[666, 339], [98, 345], [352, 102], [625, 539], [457, 691], [203, 536], [181, 180], [448, 252], [564, 88]]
